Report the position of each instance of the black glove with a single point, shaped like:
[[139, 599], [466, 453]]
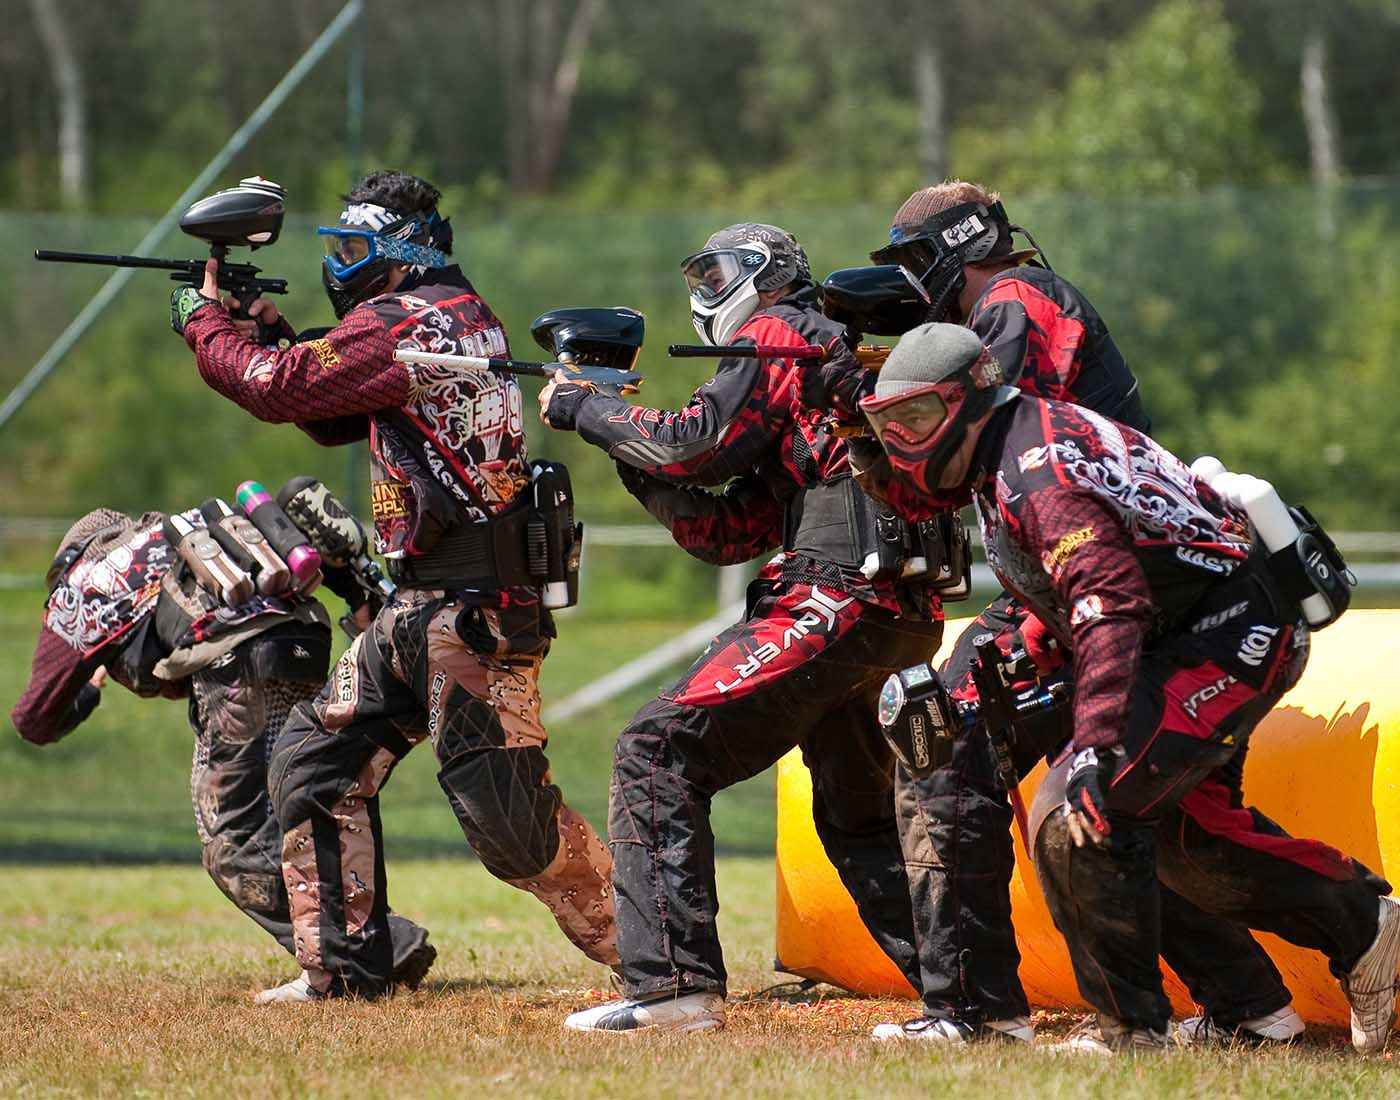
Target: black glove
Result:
[[865, 452], [837, 385], [1086, 808], [564, 405]]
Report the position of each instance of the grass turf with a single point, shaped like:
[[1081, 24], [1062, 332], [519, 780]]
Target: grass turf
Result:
[[135, 981]]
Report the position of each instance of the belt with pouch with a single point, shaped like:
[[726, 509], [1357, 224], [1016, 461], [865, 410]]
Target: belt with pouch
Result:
[[488, 554]]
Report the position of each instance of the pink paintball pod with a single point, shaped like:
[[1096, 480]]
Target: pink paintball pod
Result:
[[283, 535]]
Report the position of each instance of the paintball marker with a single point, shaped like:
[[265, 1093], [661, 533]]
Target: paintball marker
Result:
[[594, 347], [921, 720], [249, 215], [883, 301]]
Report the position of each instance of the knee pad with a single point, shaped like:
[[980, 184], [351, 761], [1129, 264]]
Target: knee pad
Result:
[[509, 855], [506, 807]]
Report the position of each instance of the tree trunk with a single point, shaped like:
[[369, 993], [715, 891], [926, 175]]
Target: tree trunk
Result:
[[510, 21], [54, 32], [552, 123], [1320, 121], [541, 65], [929, 90]]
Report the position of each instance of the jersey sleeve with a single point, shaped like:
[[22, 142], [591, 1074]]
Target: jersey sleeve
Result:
[[734, 525], [350, 371], [1089, 559], [723, 431], [54, 701]]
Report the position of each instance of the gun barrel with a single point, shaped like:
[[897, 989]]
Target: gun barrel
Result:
[[51, 256], [745, 351], [474, 362]]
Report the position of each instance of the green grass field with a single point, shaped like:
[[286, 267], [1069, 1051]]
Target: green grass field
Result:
[[135, 981]]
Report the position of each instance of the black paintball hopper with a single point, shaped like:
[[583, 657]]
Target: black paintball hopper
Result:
[[591, 335], [246, 216], [876, 301]]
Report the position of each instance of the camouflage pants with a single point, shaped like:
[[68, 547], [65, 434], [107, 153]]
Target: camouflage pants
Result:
[[236, 713], [431, 667]]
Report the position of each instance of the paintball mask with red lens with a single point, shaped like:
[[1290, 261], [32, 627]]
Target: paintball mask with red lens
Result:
[[938, 381]]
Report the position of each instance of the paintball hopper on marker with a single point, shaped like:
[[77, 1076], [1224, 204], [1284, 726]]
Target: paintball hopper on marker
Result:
[[246, 216], [874, 301], [595, 347]]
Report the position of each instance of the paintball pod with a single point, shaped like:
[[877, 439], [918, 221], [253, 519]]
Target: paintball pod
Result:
[[282, 535], [595, 347], [337, 536], [921, 720], [249, 215]]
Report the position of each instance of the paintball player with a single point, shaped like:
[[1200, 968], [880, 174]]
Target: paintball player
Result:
[[1183, 633], [803, 668], [957, 240], [122, 605], [455, 657]]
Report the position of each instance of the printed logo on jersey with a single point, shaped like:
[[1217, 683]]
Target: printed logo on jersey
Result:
[[1086, 609], [1208, 562], [325, 354], [1054, 559], [1255, 646], [1033, 459]]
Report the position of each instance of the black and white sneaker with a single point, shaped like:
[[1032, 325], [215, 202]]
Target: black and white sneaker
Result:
[[944, 1032], [691, 1012], [1281, 1027], [302, 989]]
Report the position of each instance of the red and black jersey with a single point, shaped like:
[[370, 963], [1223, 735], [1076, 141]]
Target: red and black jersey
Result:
[[444, 442], [1107, 537], [746, 429], [1052, 343]]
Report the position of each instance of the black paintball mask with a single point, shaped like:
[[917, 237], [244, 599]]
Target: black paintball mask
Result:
[[934, 250], [368, 240]]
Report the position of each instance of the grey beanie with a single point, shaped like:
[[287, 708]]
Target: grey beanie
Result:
[[927, 353]]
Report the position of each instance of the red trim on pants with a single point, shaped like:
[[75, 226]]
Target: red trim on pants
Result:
[[1208, 805], [798, 626]]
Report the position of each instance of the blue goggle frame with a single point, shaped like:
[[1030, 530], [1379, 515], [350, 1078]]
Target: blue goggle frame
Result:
[[380, 247]]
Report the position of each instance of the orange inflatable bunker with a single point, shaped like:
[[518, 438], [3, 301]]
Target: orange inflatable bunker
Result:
[[1325, 763]]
